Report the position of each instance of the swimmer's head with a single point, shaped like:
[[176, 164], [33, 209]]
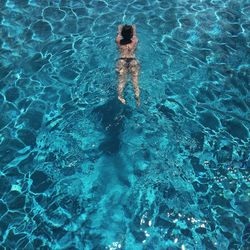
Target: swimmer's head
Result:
[[127, 34]]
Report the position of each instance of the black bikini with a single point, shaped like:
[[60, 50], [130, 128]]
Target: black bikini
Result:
[[127, 59]]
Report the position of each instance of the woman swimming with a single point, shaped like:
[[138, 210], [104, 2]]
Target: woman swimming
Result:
[[127, 63]]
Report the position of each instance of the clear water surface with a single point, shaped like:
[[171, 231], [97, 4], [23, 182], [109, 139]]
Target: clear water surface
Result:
[[80, 171]]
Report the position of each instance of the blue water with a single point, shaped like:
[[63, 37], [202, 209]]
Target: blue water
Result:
[[78, 170]]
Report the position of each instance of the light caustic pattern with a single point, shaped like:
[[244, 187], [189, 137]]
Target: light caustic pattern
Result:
[[81, 171]]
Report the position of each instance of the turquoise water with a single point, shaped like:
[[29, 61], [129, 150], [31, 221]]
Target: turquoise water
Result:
[[80, 171]]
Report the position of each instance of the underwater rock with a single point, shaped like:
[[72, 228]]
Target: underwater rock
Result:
[[199, 141], [34, 63], [3, 207], [224, 154], [24, 103], [9, 150], [15, 200], [53, 13], [81, 12], [12, 239], [27, 165], [169, 113], [49, 94], [42, 29], [236, 129], [1, 99], [37, 243], [196, 164], [200, 187], [21, 3], [33, 118], [4, 71], [41, 182], [65, 96], [68, 74], [4, 120], [207, 119], [27, 137], [163, 223], [5, 185], [12, 94]]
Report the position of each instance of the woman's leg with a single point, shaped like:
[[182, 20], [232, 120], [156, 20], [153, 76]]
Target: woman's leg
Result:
[[135, 67], [122, 79], [136, 88], [121, 85]]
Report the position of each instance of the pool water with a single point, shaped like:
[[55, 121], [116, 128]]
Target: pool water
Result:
[[78, 170]]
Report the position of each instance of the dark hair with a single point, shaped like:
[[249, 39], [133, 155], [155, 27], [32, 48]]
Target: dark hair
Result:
[[127, 34]]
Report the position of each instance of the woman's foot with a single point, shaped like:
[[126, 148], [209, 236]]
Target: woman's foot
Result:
[[137, 98], [137, 102], [121, 99]]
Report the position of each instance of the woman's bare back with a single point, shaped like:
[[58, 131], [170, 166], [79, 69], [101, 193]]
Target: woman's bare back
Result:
[[127, 50]]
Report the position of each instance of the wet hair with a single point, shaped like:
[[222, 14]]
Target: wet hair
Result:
[[127, 34]]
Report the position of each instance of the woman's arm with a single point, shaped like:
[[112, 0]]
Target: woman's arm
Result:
[[134, 30], [119, 36], [119, 29], [134, 38]]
